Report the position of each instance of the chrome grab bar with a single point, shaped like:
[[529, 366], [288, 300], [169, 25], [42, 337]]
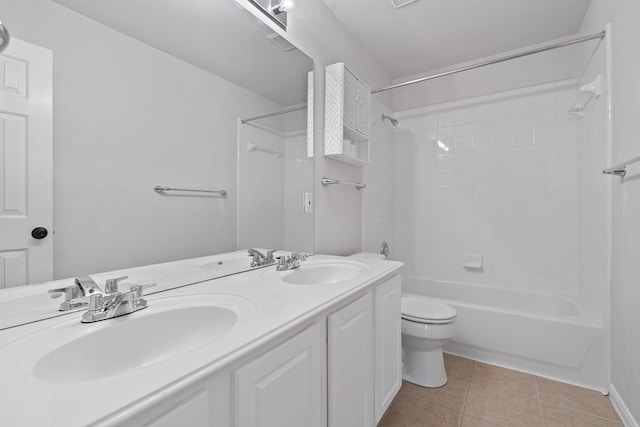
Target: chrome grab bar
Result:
[[159, 189], [330, 181]]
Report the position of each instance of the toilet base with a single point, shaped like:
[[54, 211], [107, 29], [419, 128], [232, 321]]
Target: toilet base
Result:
[[423, 368]]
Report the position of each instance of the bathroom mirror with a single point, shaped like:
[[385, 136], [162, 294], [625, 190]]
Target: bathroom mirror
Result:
[[144, 94]]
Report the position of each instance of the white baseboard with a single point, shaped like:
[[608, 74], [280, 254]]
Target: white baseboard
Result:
[[621, 408]]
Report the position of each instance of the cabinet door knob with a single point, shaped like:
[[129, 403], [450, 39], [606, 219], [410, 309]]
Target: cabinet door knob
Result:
[[39, 233]]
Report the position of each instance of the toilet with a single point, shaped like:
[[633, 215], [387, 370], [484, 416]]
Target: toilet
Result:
[[427, 325]]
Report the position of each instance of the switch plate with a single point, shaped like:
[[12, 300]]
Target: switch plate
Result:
[[308, 202]]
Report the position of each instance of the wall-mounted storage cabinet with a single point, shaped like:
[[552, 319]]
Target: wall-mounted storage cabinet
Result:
[[347, 117]]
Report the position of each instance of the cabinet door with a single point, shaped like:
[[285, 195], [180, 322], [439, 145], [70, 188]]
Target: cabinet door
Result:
[[351, 100], [350, 349], [388, 344], [364, 109], [193, 412], [282, 388]]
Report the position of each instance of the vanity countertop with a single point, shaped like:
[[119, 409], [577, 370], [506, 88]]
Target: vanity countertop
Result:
[[275, 308]]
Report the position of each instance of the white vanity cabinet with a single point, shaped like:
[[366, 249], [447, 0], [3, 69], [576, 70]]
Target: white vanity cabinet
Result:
[[340, 368], [347, 116], [388, 344], [350, 358], [283, 387], [193, 412], [364, 357]]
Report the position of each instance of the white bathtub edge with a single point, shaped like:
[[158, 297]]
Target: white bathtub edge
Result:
[[621, 408], [586, 317]]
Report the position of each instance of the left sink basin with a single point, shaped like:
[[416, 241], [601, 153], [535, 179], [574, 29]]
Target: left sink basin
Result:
[[170, 327]]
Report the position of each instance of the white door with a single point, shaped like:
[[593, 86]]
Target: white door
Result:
[[351, 365], [283, 387], [388, 342], [25, 164]]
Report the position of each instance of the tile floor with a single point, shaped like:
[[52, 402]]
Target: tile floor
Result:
[[481, 395]]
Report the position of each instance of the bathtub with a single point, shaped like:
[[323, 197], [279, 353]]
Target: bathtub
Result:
[[548, 335]]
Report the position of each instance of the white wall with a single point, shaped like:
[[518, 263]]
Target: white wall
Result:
[[128, 117], [377, 211], [271, 188], [318, 33], [298, 179], [494, 176], [625, 292]]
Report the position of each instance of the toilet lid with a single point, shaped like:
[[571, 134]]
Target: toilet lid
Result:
[[426, 310]]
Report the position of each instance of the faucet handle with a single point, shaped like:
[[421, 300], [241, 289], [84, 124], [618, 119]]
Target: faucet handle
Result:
[[96, 302], [70, 292], [270, 253], [72, 297], [136, 290], [299, 256], [111, 285]]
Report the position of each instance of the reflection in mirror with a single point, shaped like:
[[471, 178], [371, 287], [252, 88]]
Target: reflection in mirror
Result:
[[275, 177], [100, 106]]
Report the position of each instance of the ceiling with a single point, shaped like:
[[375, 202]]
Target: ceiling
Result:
[[218, 36], [431, 34]]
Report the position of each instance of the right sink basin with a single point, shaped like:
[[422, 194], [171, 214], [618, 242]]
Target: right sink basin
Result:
[[325, 272]]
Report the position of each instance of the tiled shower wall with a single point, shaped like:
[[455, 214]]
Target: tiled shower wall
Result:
[[594, 223], [494, 176]]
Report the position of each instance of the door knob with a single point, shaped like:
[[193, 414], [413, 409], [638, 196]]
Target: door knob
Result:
[[39, 233]]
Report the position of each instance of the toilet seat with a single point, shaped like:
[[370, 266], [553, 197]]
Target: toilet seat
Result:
[[428, 311]]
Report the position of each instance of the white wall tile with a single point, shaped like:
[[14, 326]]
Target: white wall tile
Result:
[[445, 162], [502, 139], [482, 159], [464, 143], [482, 175], [507, 186], [482, 141], [523, 137], [463, 160]]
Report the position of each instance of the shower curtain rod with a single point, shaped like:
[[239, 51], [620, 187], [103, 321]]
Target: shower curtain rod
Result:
[[540, 49], [277, 113]]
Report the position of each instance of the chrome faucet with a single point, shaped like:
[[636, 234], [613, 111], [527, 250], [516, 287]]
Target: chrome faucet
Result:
[[260, 259], [74, 295], [291, 262], [113, 303]]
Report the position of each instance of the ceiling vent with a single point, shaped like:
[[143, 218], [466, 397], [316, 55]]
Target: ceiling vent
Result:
[[281, 42], [399, 3]]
